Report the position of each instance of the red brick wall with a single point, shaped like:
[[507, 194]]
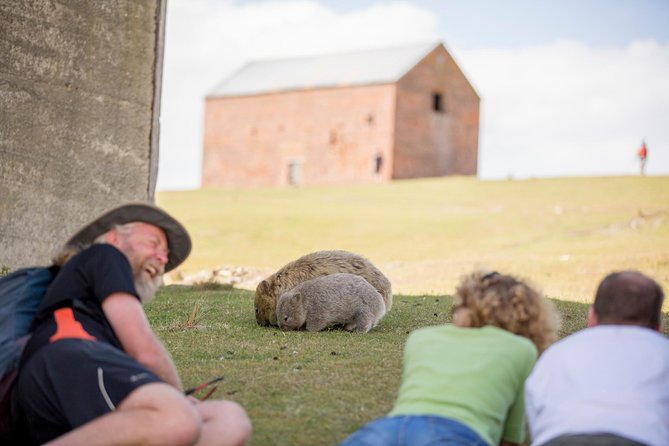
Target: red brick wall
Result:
[[429, 143], [333, 134]]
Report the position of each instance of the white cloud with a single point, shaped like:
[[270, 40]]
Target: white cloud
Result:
[[560, 109]]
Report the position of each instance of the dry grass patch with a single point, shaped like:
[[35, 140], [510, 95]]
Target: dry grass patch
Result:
[[564, 234]]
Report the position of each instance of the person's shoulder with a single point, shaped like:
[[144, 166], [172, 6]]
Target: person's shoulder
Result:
[[582, 339], [506, 335], [101, 249], [99, 252], [616, 331], [620, 338], [633, 333], [510, 343]]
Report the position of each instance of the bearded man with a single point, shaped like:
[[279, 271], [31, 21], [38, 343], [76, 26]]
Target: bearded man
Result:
[[93, 372]]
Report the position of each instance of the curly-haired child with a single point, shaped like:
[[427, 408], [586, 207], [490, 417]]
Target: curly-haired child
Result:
[[463, 382]]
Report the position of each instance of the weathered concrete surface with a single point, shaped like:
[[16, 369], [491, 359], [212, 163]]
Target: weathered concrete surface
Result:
[[79, 89]]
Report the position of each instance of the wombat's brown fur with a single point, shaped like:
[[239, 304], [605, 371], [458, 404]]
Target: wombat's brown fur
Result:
[[310, 266], [336, 299]]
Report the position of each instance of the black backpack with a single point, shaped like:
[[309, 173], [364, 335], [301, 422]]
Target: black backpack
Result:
[[21, 293]]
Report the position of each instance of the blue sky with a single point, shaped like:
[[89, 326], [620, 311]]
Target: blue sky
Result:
[[519, 23], [568, 87]]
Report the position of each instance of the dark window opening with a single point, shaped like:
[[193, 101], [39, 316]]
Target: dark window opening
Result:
[[437, 103], [293, 173], [378, 162]]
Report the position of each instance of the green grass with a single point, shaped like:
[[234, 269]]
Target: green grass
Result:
[[299, 388], [315, 388], [563, 234]]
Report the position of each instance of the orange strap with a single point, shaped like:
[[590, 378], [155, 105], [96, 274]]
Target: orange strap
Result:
[[67, 327]]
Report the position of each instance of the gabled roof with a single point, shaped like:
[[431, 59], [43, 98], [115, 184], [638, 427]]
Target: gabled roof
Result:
[[378, 66]]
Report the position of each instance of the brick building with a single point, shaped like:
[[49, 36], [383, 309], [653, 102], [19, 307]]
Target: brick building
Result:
[[378, 115]]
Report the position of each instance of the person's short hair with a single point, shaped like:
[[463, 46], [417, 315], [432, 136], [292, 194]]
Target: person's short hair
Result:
[[508, 303], [629, 298]]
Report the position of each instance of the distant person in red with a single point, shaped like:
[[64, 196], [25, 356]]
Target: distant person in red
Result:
[[643, 154]]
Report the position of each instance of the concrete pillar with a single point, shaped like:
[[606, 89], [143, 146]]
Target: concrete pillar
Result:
[[79, 107]]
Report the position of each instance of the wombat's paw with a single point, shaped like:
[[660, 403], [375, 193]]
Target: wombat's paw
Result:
[[363, 328], [351, 326]]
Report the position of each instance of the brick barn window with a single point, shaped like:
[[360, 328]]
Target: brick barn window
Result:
[[293, 173], [333, 137], [438, 103], [378, 162]]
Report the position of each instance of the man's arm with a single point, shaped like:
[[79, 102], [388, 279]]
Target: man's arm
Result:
[[126, 316]]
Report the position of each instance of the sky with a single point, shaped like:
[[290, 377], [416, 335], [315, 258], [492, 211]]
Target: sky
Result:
[[567, 87]]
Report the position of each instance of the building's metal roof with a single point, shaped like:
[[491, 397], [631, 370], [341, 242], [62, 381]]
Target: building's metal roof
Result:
[[379, 66]]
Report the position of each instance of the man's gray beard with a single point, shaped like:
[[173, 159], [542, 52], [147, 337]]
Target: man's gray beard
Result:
[[147, 288]]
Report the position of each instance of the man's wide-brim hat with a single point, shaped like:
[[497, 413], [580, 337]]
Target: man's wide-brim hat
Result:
[[178, 240]]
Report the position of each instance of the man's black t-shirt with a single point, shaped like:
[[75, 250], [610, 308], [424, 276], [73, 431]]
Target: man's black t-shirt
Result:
[[81, 285]]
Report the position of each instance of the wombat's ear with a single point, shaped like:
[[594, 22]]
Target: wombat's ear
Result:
[[298, 297], [263, 287]]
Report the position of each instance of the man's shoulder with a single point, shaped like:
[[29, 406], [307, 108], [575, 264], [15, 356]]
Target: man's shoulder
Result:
[[100, 248], [93, 260], [98, 251], [618, 331], [605, 337]]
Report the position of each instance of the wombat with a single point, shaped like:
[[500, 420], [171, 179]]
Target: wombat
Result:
[[336, 299], [310, 266]]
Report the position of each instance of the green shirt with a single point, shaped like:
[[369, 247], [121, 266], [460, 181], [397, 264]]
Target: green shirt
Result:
[[471, 375]]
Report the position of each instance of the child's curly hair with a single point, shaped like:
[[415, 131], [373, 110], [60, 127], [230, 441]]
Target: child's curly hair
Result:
[[508, 303]]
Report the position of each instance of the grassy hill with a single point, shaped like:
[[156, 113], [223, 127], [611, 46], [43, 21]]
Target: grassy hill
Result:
[[315, 388], [563, 234]]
